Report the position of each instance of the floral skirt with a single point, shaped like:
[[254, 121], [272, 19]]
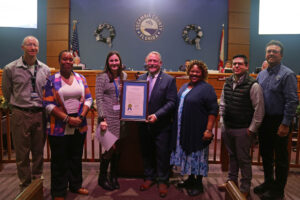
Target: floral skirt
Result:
[[195, 163]]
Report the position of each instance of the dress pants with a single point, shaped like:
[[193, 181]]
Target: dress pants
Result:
[[66, 165], [28, 135], [238, 144], [155, 152], [274, 148]]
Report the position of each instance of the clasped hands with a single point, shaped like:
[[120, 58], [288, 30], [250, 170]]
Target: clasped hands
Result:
[[74, 121]]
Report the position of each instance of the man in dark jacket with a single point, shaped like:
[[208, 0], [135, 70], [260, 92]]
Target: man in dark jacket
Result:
[[155, 133], [241, 111]]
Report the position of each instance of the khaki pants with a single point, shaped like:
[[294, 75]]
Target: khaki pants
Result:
[[28, 132]]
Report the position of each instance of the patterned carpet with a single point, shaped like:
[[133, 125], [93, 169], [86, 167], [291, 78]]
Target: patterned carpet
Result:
[[129, 186]]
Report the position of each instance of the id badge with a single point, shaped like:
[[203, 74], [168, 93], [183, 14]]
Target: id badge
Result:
[[116, 107], [34, 95], [69, 130]]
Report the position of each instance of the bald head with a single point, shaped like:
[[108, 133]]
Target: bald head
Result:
[[30, 37]]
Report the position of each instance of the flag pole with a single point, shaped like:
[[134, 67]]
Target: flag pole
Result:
[[221, 52], [74, 46], [74, 24]]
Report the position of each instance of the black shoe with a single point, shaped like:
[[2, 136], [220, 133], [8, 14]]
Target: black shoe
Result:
[[105, 184], [114, 183], [187, 183], [262, 188], [196, 188], [272, 195], [114, 171], [195, 191], [102, 179]]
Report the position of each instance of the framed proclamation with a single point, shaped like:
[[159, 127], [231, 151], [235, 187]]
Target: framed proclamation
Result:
[[134, 101]]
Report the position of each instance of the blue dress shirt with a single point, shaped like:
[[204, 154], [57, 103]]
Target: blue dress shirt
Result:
[[279, 85]]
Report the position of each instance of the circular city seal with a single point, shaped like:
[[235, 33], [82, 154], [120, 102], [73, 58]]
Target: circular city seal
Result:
[[148, 27]]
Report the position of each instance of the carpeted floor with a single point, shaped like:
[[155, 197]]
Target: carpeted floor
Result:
[[130, 186]]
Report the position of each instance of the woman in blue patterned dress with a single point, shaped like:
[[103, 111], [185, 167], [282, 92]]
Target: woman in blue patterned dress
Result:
[[192, 133]]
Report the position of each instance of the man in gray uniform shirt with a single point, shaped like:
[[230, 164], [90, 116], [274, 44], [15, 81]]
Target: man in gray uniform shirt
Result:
[[242, 112], [22, 83]]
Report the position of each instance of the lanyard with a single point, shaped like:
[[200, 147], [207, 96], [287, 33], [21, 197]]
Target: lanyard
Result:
[[116, 89], [33, 77]]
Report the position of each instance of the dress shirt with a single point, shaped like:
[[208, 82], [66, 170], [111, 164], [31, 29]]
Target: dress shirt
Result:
[[152, 81], [279, 85], [17, 86], [257, 100]]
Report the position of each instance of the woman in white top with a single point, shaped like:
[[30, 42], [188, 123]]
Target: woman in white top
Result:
[[67, 99]]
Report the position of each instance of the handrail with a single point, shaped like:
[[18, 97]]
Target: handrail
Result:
[[233, 192], [33, 192]]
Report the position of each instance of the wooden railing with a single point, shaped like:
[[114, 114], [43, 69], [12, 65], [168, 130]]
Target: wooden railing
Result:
[[217, 155], [6, 144], [233, 192], [33, 192]]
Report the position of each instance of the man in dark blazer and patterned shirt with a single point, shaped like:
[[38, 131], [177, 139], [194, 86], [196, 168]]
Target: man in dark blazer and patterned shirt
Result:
[[155, 133]]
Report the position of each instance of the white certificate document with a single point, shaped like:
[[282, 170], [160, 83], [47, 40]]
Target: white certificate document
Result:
[[107, 139], [134, 102]]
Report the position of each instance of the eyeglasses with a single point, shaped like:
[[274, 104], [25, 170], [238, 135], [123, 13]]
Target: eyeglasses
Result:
[[272, 51], [238, 63], [31, 44]]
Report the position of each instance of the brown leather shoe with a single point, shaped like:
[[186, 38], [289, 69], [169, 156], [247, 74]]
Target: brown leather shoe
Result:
[[246, 194], [163, 190], [222, 187], [83, 191], [146, 185]]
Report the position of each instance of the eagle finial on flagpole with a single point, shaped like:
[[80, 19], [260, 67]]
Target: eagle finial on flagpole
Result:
[[74, 24]]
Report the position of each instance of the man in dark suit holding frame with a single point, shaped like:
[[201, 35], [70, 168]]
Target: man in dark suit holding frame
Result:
[[155, 132]]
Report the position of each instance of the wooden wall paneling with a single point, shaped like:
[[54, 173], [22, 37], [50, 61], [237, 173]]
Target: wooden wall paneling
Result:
[[54, 47], [58, 3], [238, 5], [58, 19], [238, 27], [239, 19], [52, 61], [234, 49], [238, 36], [58, 16], [57, 32]]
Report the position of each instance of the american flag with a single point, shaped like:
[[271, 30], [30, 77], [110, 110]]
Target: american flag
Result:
[[221, 53], [74, 41]]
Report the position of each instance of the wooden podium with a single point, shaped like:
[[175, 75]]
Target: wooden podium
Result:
[[130, 164]]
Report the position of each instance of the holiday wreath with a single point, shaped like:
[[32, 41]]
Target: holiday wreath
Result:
[[196, 39], [102, 28]]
